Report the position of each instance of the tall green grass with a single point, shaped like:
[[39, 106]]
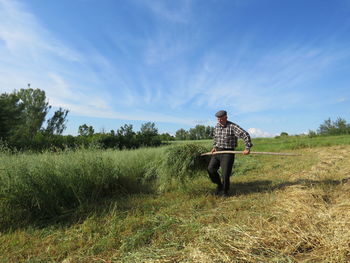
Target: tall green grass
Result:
[[49, 185], [43, 186]]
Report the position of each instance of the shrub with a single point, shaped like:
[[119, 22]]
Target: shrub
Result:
[[312, 134]]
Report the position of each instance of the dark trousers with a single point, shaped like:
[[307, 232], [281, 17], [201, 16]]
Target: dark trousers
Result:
[[225, 161]]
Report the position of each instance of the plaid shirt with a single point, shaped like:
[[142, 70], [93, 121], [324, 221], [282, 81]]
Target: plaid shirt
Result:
[[226, 136]]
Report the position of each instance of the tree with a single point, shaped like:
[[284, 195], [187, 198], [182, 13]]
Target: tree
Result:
[[209, 132], [341, 126], [148, 134], [22, 114], [284, 134], [312, 134], [85, 130], [126, 137], [197, 133], [149, 129], [34, 110], [57, 123], [181, 134], [328, 127], [192, 134], [10, 115], [126, 130], [166, 137], [200, 132]]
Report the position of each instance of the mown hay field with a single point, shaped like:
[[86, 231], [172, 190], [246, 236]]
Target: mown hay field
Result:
[[132, 206]]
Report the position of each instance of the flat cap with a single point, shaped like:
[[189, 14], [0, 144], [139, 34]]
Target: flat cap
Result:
[[221, 113]]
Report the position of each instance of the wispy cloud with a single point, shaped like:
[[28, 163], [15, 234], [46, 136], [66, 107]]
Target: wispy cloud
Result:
[[163, 48], [343, 99], [24, 37], [269, 79], [29, 53], [171, 11]]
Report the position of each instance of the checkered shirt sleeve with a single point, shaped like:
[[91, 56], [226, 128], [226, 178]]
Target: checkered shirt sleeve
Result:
[[226, 137]]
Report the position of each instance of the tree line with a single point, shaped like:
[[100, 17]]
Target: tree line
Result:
[[199, 132], [124, 137], [24, 126], [329, 127]]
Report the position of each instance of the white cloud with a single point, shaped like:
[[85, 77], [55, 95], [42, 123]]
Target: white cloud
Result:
[[255, 132]]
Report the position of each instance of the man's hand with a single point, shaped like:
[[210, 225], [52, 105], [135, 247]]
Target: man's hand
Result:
[[213, 150], [246, 152]]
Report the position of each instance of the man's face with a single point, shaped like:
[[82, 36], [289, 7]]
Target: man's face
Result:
[[222, 120]]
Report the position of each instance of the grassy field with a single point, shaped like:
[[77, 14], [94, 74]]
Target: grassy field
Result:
[[132, 206]]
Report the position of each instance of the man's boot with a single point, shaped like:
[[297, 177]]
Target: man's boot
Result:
[[219, 189]]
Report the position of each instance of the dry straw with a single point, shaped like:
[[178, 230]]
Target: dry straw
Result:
[[306, 222]]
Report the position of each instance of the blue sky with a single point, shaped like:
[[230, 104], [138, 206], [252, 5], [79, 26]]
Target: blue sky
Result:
[[273, 65]]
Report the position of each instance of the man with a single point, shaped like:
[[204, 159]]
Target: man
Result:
[[225, 139]]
